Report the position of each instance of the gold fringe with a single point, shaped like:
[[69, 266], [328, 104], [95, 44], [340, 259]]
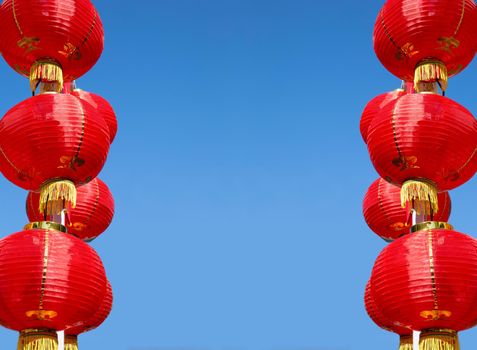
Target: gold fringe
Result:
[[71, 342], [37, 339], [429, 72], [405, 342], [439, 339], [421, 195], [46, 72], [54, 196]]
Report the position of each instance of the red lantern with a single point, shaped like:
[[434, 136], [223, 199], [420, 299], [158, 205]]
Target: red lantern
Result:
[[102, 106], [52, 142], [405, 335], [50, 41], [427, 281], [426, 40], [71, 334], [385, 215], [424, 142], [92, 215], [49, 281]]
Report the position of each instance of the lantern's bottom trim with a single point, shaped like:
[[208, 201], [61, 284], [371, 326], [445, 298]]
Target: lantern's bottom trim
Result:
[[438, 339], [430, 71], [46, 71], [71, 342], [38, 339], [405, 342], [421, 195], [56, 196]]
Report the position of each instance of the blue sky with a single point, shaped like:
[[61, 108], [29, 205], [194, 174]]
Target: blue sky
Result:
[[238, 172]]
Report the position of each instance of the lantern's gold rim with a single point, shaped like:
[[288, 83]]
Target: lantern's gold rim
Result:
[[47, 225], [431, 331], [35, 331], [429, 225]]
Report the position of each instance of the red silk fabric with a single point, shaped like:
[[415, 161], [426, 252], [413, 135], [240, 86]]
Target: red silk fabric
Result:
[[93, 213], [373, 107], [102, 106], [52, 136], [386, 217], [67, 31], [409, 31], [428, 280], [424, 136], [99, 317], [49, 279], [376, 315]]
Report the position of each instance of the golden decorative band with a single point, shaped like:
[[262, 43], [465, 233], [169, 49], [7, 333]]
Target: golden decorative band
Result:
[[47, 225], [39, 331], [437, 331], [429, 225]]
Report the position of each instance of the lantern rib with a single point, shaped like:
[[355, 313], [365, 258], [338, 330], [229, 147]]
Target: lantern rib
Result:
[[432, 270], [45, 268], [461, 18]]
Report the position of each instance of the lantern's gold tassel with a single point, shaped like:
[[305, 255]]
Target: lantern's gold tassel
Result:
[[47, 72], [438, 339], [405, 342], [430, 71], [421, 195], [56, 195], [37, 339], [71, 342]]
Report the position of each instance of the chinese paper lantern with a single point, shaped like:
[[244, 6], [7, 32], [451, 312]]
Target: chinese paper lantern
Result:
[[374, 106], [49, 281], [92, 215], [426, 40], [50, 143], [427, 281], [426, 143], [385, 215], [102, 106], [71, 334], [50, 41], [405, 335]]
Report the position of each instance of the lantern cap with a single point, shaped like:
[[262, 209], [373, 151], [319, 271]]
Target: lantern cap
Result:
[[46, 71], [429, 225], [421, 194], [442, 339], [34, 339], [430, 71], [47, 225]]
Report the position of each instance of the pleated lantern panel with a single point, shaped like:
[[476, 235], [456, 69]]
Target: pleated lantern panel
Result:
[[405, 334], [71, 334], [102, 106], [372, 108]]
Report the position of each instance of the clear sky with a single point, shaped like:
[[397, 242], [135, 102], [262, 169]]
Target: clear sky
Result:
[[238, 172]]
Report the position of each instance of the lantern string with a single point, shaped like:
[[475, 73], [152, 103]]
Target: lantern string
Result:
[[61, 340], [415, 340]]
